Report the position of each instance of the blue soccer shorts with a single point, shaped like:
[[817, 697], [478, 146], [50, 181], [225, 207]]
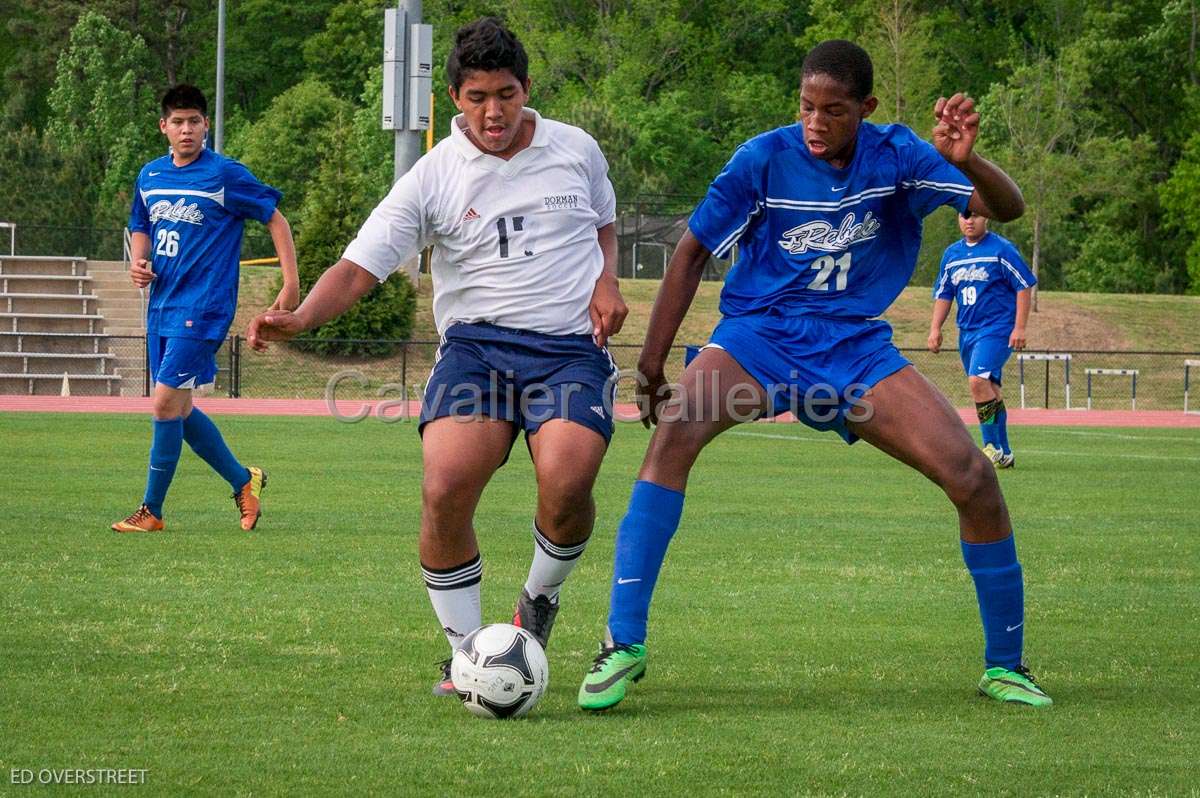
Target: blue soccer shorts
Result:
[[984, 356], [816, 368], [524, 377], [182, 363]]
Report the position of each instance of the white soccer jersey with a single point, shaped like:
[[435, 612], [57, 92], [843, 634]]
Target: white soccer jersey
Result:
[[514, 242]]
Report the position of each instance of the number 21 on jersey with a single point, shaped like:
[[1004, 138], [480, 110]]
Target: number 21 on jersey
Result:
[[825, 266]]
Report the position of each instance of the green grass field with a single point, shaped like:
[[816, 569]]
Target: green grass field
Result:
[[815, 631]]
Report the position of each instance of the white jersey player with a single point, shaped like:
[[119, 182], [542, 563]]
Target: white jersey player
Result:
[[520, 212]]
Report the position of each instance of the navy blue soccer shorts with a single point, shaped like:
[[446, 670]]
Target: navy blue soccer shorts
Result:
[[182, 363], [816, 368], [524, 377], [984, 356]]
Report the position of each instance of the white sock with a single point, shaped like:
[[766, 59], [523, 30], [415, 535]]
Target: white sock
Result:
[[454, 593], [552, 564]]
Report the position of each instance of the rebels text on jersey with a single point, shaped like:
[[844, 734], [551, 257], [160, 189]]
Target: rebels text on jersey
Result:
[[514, 242], [194, 217], [820, 241], [984, 279]]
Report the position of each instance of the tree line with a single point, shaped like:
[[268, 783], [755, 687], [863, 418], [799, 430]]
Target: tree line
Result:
[[1094, 107]]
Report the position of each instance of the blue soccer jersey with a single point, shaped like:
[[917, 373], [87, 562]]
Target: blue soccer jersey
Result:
[[194, 216], [815, 240], [983, 278]]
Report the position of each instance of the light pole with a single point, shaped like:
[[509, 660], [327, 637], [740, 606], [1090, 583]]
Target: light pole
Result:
[[219, 114]]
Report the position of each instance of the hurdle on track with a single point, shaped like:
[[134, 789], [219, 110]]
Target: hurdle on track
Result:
[[1131, 373], [1046, 357], [1188, 365]]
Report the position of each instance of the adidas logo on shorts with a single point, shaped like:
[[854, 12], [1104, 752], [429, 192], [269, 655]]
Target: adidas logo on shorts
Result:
[[598, 410], [471, 215]]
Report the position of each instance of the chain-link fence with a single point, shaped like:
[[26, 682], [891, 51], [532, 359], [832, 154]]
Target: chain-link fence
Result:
[[297, 370], [111, 364]]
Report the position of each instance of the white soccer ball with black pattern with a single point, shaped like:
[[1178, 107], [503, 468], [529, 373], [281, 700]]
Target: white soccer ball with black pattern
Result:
[[500, 671]]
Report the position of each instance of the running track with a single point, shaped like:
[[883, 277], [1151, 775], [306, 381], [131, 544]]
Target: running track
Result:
[[350, 408]]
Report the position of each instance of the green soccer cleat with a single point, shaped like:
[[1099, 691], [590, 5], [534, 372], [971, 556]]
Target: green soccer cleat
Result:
[[998, 457], [615, 667], [1013, 686]]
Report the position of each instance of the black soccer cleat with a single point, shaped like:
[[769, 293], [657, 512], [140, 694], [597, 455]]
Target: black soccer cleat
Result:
[[536, 616], [444, 685]]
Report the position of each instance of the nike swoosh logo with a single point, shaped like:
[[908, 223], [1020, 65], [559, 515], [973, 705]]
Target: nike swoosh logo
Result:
[[627, 581], [1011, 628], [152, 468], [154, 174], [182, 374], [609, 682], [843, 188]]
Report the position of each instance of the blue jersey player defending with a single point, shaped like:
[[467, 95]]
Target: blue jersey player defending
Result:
[[827, 216], [189, 206], [984, 273]]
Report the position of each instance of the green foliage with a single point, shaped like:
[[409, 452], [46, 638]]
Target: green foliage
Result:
[[101, 104], [334, 209], [344, 54], [906, 58], [39, 187], [283, 147], [1090, 105], [1181, 201]]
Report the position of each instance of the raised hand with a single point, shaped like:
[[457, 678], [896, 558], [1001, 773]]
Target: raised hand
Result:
[[957, 127]]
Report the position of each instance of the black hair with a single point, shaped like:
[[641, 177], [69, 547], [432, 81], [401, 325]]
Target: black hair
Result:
[[182, 96], [845, 62], [486, 45]]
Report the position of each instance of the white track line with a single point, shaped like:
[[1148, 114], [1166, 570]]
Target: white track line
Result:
[[1104, 455], [1123, 436]]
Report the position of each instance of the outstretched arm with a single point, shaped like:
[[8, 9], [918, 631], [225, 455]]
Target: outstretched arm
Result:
[[675, 296], [996, 196], [285, 250], [339, 288]]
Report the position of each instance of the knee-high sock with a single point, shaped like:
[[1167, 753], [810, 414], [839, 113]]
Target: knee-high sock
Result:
[[1001, 592], [1002, 428], [987, 420], [205, 439], [551, 565], [642, 540], [454, 593], [165, 448]]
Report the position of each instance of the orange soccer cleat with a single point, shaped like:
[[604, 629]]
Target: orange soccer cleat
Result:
[[141, 521], [249, 498]]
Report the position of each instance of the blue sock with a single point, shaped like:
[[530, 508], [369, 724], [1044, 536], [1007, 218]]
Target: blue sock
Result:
[[1001, 424], [1001, 593], [987, 421], [165, 447], [205, 439], [642, 541]]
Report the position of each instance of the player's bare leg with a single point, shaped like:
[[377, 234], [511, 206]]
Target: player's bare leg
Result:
[[913, 422], [459, 455], [566, 459], [715, 394]]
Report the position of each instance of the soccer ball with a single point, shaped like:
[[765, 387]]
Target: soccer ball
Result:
[[500, 671]]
